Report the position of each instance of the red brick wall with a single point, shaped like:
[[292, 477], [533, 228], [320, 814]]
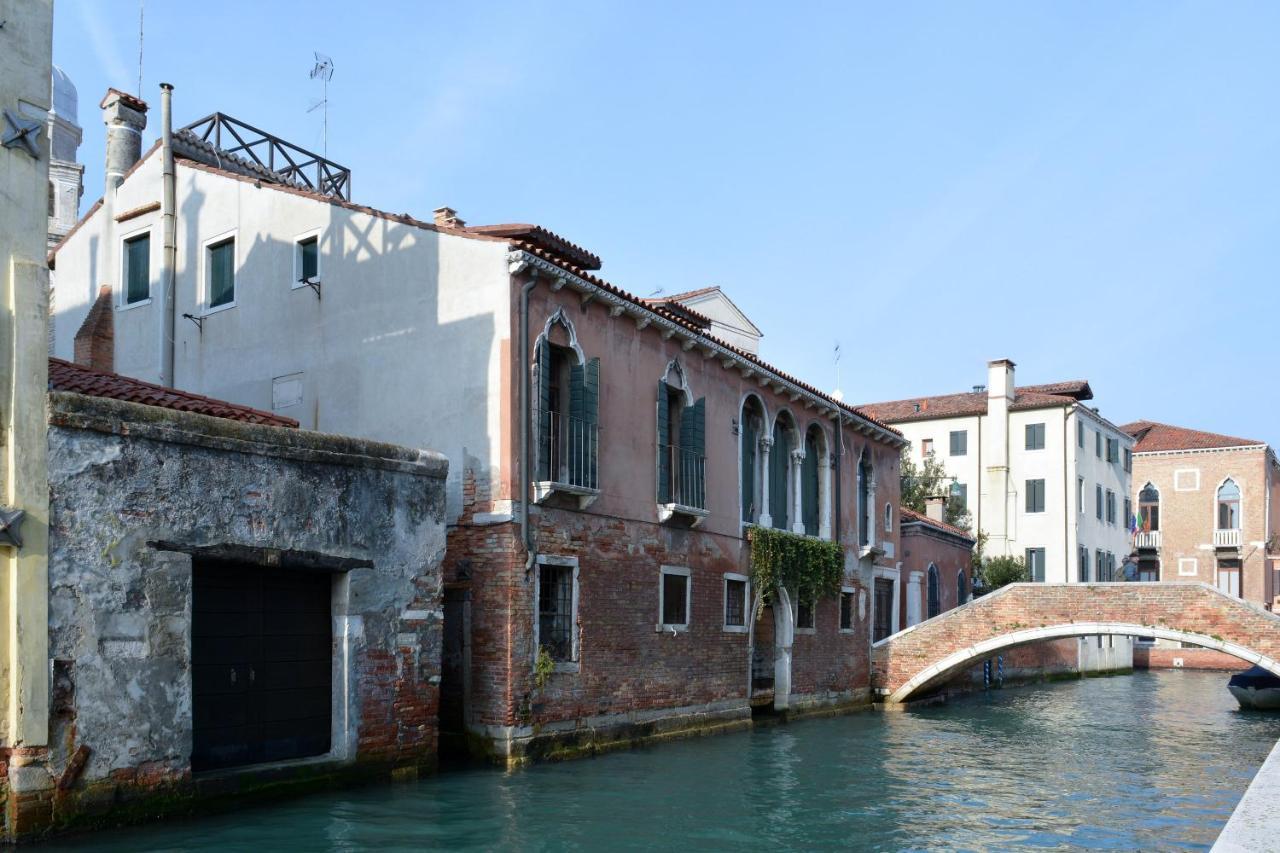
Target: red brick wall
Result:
[[920, 548]]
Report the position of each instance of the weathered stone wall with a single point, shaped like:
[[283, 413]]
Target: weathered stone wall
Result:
[[1156, 657], [136, 492]]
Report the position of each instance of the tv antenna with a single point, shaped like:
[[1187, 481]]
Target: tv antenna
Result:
[[323, 70]]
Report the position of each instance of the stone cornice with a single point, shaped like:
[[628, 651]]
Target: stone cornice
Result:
[[519, 261]]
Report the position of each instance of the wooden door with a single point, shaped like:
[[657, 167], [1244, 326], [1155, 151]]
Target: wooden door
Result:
[[261, 664]]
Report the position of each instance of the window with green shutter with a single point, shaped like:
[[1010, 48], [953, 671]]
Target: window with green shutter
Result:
[[222, 275], [809, 483], [137, 269], [691, 468], [779, 466], [308, 259], [750, 447]]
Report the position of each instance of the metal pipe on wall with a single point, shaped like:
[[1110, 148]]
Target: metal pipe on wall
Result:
[[526, 468], [169, 259]]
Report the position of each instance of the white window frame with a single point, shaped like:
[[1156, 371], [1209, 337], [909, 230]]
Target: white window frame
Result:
[[205, 292], [297, 258], [853, 610], [121, 298], [746, 603], [1193, 562], [1180, 473], [571, 665], [679, 571]]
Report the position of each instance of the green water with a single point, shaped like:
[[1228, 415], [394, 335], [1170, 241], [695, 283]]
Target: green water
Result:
[[1146, 762]]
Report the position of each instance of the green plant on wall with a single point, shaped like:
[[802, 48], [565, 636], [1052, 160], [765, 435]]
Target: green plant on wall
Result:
[[543, 666], [781, 559]]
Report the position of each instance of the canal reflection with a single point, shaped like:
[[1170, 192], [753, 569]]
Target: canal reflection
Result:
[[1154, 761]]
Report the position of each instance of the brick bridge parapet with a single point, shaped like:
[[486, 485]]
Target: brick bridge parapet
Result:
[[916, 660]]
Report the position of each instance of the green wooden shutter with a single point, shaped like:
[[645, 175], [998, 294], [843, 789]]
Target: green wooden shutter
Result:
[[575, 432], [542, 411], [693, 446], [778, 459], [591, 414], [809, 486], [748, 484], [664, 449], [137, 264]]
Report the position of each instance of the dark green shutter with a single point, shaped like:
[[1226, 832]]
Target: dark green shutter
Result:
[[664, 446], [137, 264], [778, 459], [809, 486], [591, 415], [222, 282], [542, 411], [749, 440], [693, 441]]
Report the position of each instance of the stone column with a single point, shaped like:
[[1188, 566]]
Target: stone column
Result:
[[797, 476], [824, 513], [914, 580], [765, 519]]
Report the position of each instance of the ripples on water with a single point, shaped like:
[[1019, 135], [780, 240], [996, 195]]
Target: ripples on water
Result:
[[1151, 762]]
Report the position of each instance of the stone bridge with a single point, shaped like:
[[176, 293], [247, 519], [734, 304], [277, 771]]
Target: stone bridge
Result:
[[924, 656]]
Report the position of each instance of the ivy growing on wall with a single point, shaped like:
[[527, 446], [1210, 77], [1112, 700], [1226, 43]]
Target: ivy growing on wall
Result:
[[781, 559]]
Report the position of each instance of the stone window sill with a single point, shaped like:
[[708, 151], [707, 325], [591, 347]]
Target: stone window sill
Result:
[[544, 489], [691, 515]]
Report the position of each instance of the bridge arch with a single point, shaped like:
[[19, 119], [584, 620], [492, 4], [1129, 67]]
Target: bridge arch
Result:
[[927, 655]]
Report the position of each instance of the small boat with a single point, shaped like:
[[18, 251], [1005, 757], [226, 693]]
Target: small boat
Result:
[[1256, 689]]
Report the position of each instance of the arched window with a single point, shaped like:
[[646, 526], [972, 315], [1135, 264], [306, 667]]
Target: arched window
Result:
[[780, 485], [864, 500], [935, 593], [750, 432], [681, 441], [566, 406], [962, 588], [888, 518], [1229, 505], [1149, 509], [811, 485]]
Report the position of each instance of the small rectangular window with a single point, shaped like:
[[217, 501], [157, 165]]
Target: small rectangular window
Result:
[[1035, 495], [1082, 567], [555, 611], [1127, 518], [962, 493], [805, 612], [846, 610], [1035, 564], [1113, 449], [926, 447], [137, 269], [1111, 507], [1097, 496], [673, 596], [308, 260], [1035, 436], [222, 273], [735, 602], [1100, 565], [1097, 444], [959, 442], [1080, 434], [1128, 460], [1080, 495]]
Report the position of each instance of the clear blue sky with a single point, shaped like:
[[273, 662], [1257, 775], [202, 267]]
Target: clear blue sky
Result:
[[1089, 188]]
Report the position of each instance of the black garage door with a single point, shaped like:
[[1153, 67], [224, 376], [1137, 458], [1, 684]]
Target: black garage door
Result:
[[261, 664]]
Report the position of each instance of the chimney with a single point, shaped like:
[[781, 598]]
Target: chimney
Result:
[[125, 117], [95, 342], [447, 217], [935, 507], [1000, 379]]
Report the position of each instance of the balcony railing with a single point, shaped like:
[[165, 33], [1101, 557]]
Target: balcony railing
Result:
[[1148, 539], [1226, 538], [686, 484], [571, 448]]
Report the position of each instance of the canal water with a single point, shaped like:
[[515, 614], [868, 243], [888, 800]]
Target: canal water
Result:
[[1153, 761]]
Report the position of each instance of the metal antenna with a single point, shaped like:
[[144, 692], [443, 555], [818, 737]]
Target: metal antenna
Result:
[[323, 69], [839, 393], [141, 10]]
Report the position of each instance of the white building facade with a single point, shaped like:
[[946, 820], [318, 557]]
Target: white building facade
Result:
[[1044, 476]]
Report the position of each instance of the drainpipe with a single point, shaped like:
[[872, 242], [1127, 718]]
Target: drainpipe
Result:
[[835, 530], [169, 260], [526, 468], [1068, 480]]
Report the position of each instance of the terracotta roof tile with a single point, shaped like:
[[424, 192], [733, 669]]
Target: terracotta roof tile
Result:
[[549, 240], [910, 515], [1153, 437], [66, 376], [962, 405]]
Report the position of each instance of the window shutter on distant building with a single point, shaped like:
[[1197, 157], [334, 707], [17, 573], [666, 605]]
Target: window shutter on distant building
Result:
[[664, 444], [542, 410]]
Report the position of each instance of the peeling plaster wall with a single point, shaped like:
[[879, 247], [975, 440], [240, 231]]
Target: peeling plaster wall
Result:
[[124, 478]]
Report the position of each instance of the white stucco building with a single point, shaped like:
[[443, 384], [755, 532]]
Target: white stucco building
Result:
[[1045, 476]]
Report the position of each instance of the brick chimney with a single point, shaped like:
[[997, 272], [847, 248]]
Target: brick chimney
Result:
[[95, 343], [447, 217], [935, 507]]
